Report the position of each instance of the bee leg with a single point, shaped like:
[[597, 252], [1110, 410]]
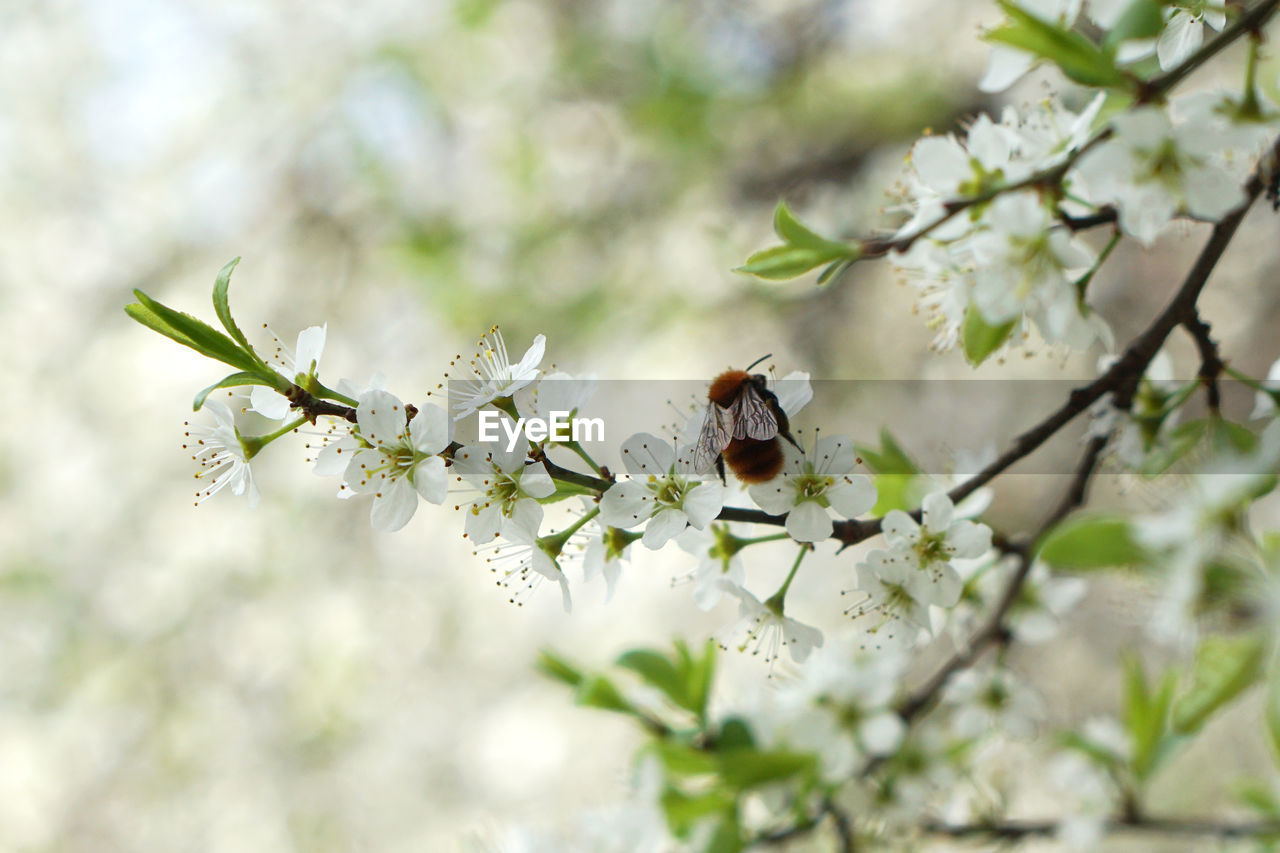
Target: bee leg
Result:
[[787, 435], [720, 469]]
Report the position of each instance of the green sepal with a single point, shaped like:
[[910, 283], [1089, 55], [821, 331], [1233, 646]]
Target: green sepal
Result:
[[981, 338]]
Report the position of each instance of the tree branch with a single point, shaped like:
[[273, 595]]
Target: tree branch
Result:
[[1018, 830]]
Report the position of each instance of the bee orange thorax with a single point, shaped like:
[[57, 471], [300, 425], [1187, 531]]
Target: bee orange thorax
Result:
[[725, 387]]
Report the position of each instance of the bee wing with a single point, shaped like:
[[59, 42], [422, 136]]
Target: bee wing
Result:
[[717, 432], [753, 416]]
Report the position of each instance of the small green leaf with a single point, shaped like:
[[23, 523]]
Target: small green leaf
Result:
[[600, 692], [1259, 796], [783, 262], [223, 307], [685, 811], [793, 233], [748, 768], [981, 338], [1142, 19], [235, 380], [189, 332], [1079, 59], [1224, 668], [727, 838], [735, 734], [1147, 718], [1091, 542], [558, 668], [1180, 441], [683, 760], [658, 671]]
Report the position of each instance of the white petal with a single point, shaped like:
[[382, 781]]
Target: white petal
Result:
[[793, 391], [1211, 193], [626, 504], [268, 403], [429, 429], [969, 539], [394, 505], [900, 528], [381, 417], [940, 162], [430, 480], [1004, 66], [645, 453], [1182, 37], [852, 496], [774, 497], [664, 527], [834, 455], [483, 526], [703, 503], [310, 346], [333, 458], [536, 482], [881, 734], [524, 521], [801, 639], [809, 522], [937, 511], [532, 356]]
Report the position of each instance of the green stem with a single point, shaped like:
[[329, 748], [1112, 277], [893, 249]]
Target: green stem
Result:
[[583, 455], [559, 539], [1249, 105], [1083, 283], [776, 600], [253, 444], [756, 540]]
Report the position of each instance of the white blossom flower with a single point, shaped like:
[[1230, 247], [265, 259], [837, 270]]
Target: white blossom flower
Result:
[[604, 555], [767, 630], [932, 543], [522, 565], [491, 375], [915, 571], [508, 491], [302, 361], [664, 490], [1151, 169], [992, 699], [1022, 264], [222, 456], [859, 687], [1184, 30], [811, 485], [719, 562], [394, 458]]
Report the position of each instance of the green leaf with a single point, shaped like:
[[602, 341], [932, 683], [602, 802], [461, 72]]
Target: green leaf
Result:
[[1231, 436], [558, 668], [1259, 796], [683, 760], [1079, 59], [658, 671], [833, 269], [684, 811], [784, 262], [599, 692], [727, 838], [235, 380], [793, 233], [1272, 717], [890, 458], [748, 768], [223, 307], [1100, 755], [189, 332], [1091, 542], [1224, 668], [981, 338], [1142, 19], [735, 734], [699, 675], [1147, 717]]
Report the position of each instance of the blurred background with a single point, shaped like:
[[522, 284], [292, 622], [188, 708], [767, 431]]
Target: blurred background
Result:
[[215, 678]]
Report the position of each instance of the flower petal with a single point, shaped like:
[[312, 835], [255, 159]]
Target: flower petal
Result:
[[663, 527], [852, 496], [809, 522], [393, 506]]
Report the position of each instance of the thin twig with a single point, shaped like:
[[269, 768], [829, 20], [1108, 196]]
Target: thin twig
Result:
[[1211, 363], [1017, 830]]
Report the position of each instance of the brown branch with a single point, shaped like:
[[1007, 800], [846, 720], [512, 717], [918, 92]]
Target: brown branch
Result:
[[1018, 830], [1211, 363], [1247, 24]]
